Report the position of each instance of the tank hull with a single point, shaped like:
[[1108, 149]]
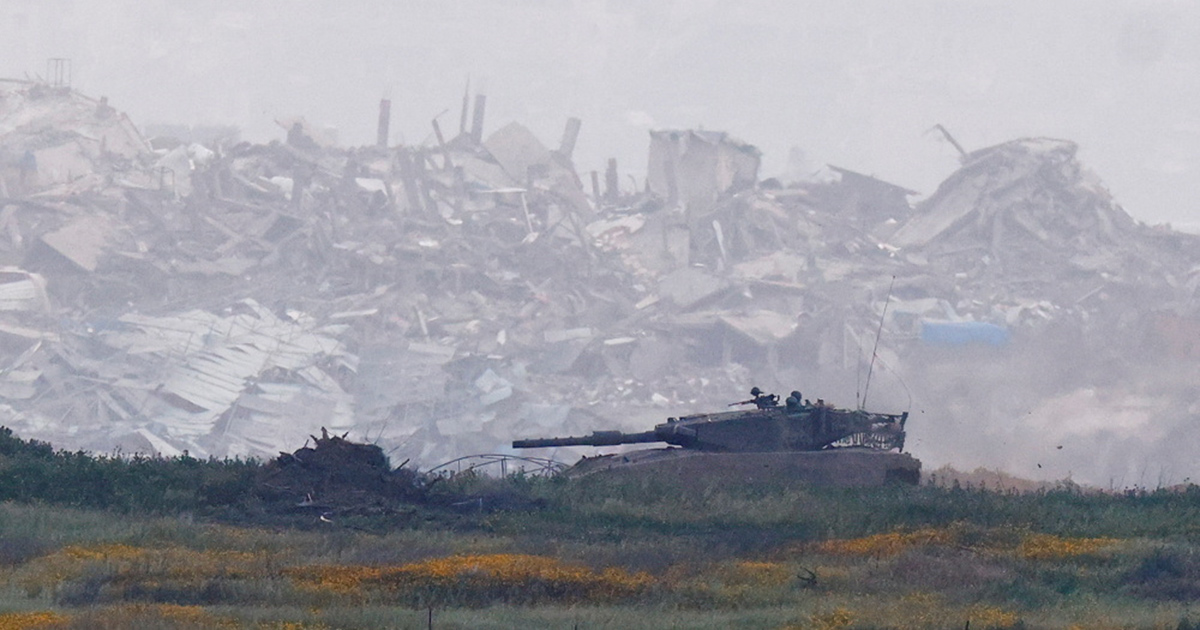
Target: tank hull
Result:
[[841, 467]]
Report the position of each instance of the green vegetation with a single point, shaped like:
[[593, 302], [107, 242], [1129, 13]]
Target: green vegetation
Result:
[[107, 542], [34, 472]]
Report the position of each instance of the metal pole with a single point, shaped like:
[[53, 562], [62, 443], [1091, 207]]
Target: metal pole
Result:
[[875, 349], [385, 121]]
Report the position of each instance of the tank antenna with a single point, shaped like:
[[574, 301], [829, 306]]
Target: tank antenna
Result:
[[874, 351]]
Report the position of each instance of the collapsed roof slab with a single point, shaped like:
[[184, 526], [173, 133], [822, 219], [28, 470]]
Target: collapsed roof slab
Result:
[[1032, 184]]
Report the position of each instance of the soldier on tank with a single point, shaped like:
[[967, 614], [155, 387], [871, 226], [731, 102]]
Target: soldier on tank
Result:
[[763, 401], [759, 399], [794, 402]]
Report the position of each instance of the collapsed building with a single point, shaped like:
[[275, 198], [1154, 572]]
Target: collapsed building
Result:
[[439, 299]]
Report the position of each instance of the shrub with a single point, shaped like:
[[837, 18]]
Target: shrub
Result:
[[34, 471], [1166, 574]]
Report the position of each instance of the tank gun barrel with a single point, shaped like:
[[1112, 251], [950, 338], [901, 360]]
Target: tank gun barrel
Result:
[[597, 438]]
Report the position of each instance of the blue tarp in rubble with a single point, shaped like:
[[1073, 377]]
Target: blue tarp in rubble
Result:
[[942, 333]]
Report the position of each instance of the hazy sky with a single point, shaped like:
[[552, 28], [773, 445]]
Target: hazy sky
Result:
[[857, 84]]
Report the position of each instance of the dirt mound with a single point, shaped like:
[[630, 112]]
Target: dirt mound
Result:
[[337, 477]]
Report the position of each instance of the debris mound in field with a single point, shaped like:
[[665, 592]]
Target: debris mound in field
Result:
[[336, 476]]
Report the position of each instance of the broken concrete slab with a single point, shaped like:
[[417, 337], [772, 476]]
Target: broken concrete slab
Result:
[[518, 152], [763, 327], [82, 241], [688, 287]]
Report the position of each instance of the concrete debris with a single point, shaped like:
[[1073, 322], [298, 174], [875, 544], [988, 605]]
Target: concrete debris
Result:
[[695, 168], [440, 298], [762, 327], [870, 200]]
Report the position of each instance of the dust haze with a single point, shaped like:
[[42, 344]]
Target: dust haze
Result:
[[216, 238]]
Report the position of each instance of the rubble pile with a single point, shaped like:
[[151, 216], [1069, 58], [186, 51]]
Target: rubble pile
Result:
[[440, 298], [335, 476], [61, 142], [1022, 228]]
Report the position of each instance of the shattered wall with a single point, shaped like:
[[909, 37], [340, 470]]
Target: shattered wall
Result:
[[695, 168]]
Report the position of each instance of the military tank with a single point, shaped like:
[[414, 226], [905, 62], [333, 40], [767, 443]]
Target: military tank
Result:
[[813, 441]]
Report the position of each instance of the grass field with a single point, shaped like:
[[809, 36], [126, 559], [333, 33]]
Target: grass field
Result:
[[593, 553], [630, 556]]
